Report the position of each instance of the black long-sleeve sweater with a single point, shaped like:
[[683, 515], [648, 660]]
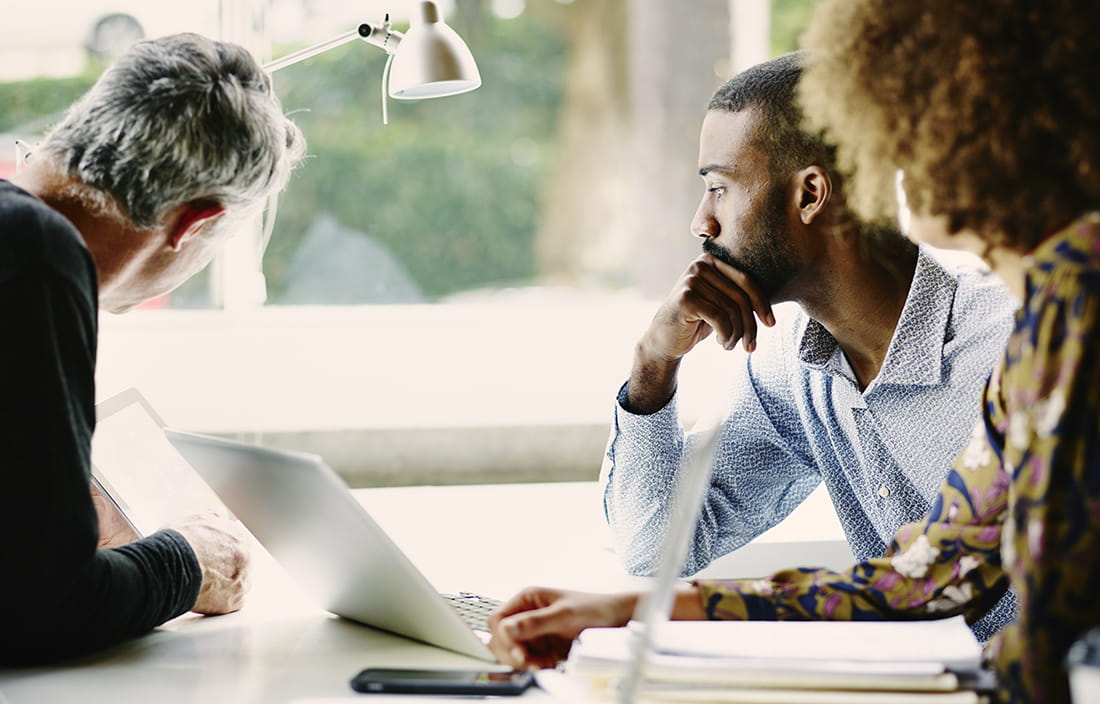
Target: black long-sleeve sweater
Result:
[[60, 596]]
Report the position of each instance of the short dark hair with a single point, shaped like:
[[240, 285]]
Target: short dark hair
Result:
[[770, 88]]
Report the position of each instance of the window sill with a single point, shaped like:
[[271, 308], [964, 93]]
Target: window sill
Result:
[[449, 393]]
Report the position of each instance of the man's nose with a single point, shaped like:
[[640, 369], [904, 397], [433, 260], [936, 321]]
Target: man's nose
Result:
[[703, 224]]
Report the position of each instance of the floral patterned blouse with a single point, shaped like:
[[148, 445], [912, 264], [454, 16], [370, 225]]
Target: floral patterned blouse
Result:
[[1020, 506]]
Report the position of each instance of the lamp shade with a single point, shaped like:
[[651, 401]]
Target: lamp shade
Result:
[[432, 60]]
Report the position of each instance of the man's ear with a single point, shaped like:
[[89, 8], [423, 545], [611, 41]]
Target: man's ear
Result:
[[187, 220], [815, 187]]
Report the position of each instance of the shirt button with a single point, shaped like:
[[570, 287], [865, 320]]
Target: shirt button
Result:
[[884, 491]]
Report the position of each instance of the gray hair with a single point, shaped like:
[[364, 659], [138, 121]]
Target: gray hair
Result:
[[176, 120]]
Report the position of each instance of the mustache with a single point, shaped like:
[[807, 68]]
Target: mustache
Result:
[[754, 272], [718, 251]]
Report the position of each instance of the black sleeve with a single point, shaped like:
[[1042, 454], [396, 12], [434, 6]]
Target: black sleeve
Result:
[[59, 595]]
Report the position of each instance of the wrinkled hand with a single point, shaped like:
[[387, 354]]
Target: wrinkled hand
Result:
[[710, 296], [114, 531], [535, 628], [222, 553]]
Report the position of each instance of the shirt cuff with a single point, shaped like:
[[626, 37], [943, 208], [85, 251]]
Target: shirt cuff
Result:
[[660, 418], [651, 441], [734, 600], [173, 571]]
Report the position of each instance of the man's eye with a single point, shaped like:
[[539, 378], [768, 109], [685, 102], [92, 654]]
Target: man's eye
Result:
[[717, 191]]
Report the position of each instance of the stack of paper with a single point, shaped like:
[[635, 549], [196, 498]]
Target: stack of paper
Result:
[[790, 661]]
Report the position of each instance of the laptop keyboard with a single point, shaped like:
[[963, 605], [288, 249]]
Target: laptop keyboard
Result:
[[473, 608]]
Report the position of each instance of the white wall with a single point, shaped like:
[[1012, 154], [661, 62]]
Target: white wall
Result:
[[293, 369]]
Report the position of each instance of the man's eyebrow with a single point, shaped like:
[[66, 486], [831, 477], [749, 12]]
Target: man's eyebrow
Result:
[[715, 167]]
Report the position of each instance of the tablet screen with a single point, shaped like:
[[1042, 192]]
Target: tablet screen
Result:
[[140, 472]]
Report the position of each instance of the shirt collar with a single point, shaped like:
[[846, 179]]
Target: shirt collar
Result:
[[915, 354]]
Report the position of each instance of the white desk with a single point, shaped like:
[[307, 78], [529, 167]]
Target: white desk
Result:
[[279, 648]]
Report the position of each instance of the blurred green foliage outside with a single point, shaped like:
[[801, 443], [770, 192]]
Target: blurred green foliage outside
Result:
[[451, 188]]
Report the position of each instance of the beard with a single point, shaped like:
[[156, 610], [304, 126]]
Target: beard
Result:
[[766, 253]]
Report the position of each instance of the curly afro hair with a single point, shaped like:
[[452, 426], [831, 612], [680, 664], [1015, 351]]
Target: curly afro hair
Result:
[[991, 108]]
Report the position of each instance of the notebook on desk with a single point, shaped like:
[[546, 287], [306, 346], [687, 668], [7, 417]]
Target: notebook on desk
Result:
[[806, 661], [302, 512]]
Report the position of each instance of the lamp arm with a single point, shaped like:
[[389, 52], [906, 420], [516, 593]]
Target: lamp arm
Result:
[[380, 36]]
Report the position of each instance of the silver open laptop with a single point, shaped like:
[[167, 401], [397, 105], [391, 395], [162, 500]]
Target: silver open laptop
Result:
[[302, 512]]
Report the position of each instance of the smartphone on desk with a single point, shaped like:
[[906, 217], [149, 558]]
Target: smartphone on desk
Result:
[[407, 681]]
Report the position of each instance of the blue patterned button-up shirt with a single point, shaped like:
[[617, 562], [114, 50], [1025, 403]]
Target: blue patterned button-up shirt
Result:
[[797, 418]]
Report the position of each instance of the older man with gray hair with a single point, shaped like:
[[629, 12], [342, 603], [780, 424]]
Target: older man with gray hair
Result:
[[129, 196]]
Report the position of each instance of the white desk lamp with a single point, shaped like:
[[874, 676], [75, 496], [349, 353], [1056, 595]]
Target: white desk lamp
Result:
[[430, 60]]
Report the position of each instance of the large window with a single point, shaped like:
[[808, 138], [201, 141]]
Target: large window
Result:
[[456, 292]]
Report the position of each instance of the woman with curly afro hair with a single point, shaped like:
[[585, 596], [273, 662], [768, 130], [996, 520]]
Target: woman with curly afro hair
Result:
[[989, 113]]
